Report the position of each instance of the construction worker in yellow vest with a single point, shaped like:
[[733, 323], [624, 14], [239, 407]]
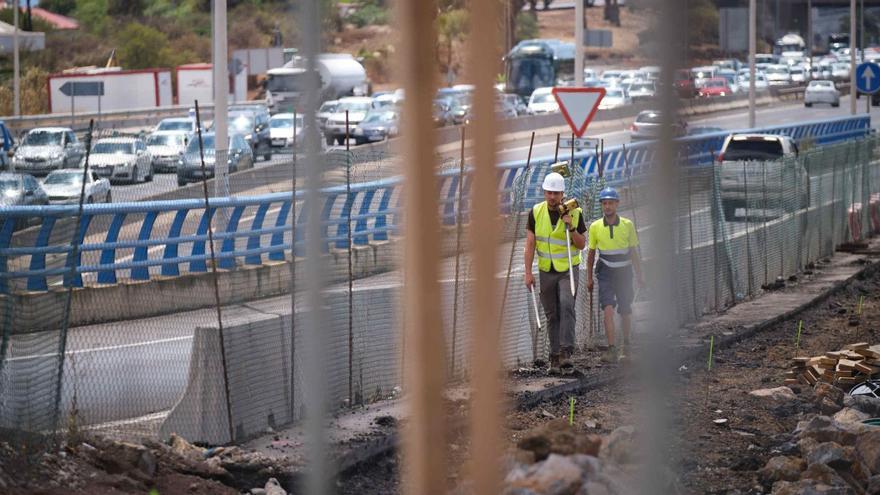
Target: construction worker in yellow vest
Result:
[[614, 238], [545, 235]]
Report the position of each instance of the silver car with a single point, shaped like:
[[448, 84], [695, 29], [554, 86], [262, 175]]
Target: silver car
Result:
[[65, 186], [821, 92], [45, 149], [165, 148], [122, 159]]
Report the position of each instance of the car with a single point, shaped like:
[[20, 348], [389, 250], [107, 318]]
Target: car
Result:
[[798, 75], [759, 167], [611, 76], [645, 90], [282, 129], [252, 123], [390, 100], [778, 75], [189, 168], [651, 72], [542, 101], [590, 74], [729, 64], [460, 109], [766, 58], [648, 123], [730, 76], [614, 98], [821, 92], [703, 74], [45, 149], [357, 108], [121, 159], [684, 84], [840, 71], [440, 113], [717, 86], [703, 129], [181, 124], [65, 187], [378, 125], [7, 146], [21, 190], [165, 148], [326, 109], [761, 83], [519, 106]]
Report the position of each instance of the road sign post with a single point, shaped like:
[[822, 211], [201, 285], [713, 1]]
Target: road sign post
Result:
[[867, 81], [578, 106]]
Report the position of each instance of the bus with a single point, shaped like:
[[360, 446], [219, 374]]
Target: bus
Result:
[[538, 63]]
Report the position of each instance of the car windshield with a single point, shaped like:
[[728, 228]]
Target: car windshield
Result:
[[753, 149], [353, 106], [542, 98], [821, 84], [379, 117], [64, 178], [776, 70], [649, 118], [610, 75], [42, 138], [641, 87], [166, 140], [110, 148], [241, 122], [207, 140], [715, 84], [9, 185], [281, 123], [613, 93], [328, 107], [174, 125]]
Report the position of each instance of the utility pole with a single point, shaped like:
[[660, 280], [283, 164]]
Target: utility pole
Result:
[[810, 37], [852, 57], [753, 22], [16, 69], [578, 43], [221, 95]]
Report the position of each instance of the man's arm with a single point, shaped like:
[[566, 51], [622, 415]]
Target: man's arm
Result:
[[637, 265], [529, 257]]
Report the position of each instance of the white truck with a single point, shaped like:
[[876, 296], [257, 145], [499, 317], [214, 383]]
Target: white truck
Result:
[[340, 75]]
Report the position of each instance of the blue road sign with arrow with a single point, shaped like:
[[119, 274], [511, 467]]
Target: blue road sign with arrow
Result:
[[868, 77], [90, 88]]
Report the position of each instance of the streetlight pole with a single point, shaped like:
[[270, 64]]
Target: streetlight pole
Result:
[[852, 57], [810, 37], [753, 22], [221, 95], [16, 78], [578, 43]]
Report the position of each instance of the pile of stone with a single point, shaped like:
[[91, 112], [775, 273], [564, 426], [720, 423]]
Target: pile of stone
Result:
[[556, 459], [833, 452], [845, 368]]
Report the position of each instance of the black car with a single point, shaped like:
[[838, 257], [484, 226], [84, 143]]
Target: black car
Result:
[[252, 122], [189, 168]]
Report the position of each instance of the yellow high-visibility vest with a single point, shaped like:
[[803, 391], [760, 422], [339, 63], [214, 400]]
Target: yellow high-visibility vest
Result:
[[613, 242], [550, 241]]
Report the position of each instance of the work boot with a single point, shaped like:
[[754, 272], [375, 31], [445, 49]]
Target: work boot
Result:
[[627, 349], [554, 364], [566, 366], [610, 356]]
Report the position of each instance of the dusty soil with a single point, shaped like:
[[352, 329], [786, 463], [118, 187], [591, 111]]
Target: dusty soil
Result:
[[707, 458]]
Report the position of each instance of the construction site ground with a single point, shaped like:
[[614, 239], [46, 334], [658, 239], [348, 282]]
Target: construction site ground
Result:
[[754, 345]]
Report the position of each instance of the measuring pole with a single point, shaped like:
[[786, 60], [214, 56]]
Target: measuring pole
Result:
[[752, 48], [578, 43], [852, 57]]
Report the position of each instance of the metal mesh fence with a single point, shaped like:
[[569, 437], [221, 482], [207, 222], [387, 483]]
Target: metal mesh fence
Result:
[[149, 351]]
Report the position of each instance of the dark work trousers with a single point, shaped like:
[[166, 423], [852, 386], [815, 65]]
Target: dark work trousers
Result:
[[559, 308]]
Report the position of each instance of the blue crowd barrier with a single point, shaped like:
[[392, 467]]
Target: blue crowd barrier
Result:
[[370, 211]]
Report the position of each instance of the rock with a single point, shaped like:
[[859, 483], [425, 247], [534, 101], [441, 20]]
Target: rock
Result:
[[781, 468], [873, 484], [258, 491], [832, 454], [850, 415], [147, 463], [809, 487], [185, 449], [828, 398], [823, 473], [594, 488], [557, 475], [274, 488], [558, 437], [867, 405], [590, 465], [619, 446], [825, 429], [778, 394], [868, 450]]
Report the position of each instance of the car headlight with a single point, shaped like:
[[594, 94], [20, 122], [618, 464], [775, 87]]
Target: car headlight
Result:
[[249, 137], [358, 131]]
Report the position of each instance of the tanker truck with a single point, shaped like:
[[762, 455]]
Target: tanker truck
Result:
[[339, 75]]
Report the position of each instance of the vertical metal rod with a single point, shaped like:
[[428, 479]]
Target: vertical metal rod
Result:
[[221, 99], [215, 275], [459, 226], [424, 469], [692, 256], [810, 38], [292, 412], [486, 403], [578, 43], [764, 215], [748, 241], [753, 34], [16, 67], [556, 151], [852, 57], [350, 202]]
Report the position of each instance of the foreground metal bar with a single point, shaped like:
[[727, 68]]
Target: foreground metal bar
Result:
[[424, 436]]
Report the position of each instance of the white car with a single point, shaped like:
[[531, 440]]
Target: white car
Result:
[[703, 74], [47, 148], [165, 148], [614, 98], [65, 186], [651, 72], [357, 108], [840, 71], [542, 101], [185, 124], [122, 159], [610, 77], [798, 75], [821, 92], [761, 83], [282, 129], [778, 75]]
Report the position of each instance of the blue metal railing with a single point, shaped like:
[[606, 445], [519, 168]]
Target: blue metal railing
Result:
[[262, 224]]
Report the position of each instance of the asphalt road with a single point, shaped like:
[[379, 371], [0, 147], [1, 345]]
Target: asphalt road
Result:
[[119, 371]]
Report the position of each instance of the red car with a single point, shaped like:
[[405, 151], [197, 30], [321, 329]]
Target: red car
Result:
[[684, 84], [717, 86]]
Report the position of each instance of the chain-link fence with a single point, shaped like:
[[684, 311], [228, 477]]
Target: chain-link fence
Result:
[[176, 315]]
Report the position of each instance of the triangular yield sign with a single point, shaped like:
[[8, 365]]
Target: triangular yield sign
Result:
[[578, 106]]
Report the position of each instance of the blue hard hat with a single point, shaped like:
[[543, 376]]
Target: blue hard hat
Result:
[[609, 193]]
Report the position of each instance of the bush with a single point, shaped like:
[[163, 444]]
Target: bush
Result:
[[368, 15], [141, 47], [526, 26], [34, 99]]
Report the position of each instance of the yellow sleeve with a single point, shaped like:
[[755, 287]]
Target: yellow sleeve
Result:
[[633, 236], [594, 238]]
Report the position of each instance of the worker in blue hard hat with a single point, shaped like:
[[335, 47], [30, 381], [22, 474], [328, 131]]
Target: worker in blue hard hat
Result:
[[615, 240], [546, 236]]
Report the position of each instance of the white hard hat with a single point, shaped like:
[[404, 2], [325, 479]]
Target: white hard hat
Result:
[[554, 182]]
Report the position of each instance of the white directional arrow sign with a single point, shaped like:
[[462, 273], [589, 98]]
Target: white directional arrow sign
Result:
[[868, 75], [868, 78], [578, 106]]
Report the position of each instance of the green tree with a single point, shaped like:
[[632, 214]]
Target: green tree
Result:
[[526, 26], [92, 15], [702, 21], [62, 7], [141, 47], [452, 27]]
